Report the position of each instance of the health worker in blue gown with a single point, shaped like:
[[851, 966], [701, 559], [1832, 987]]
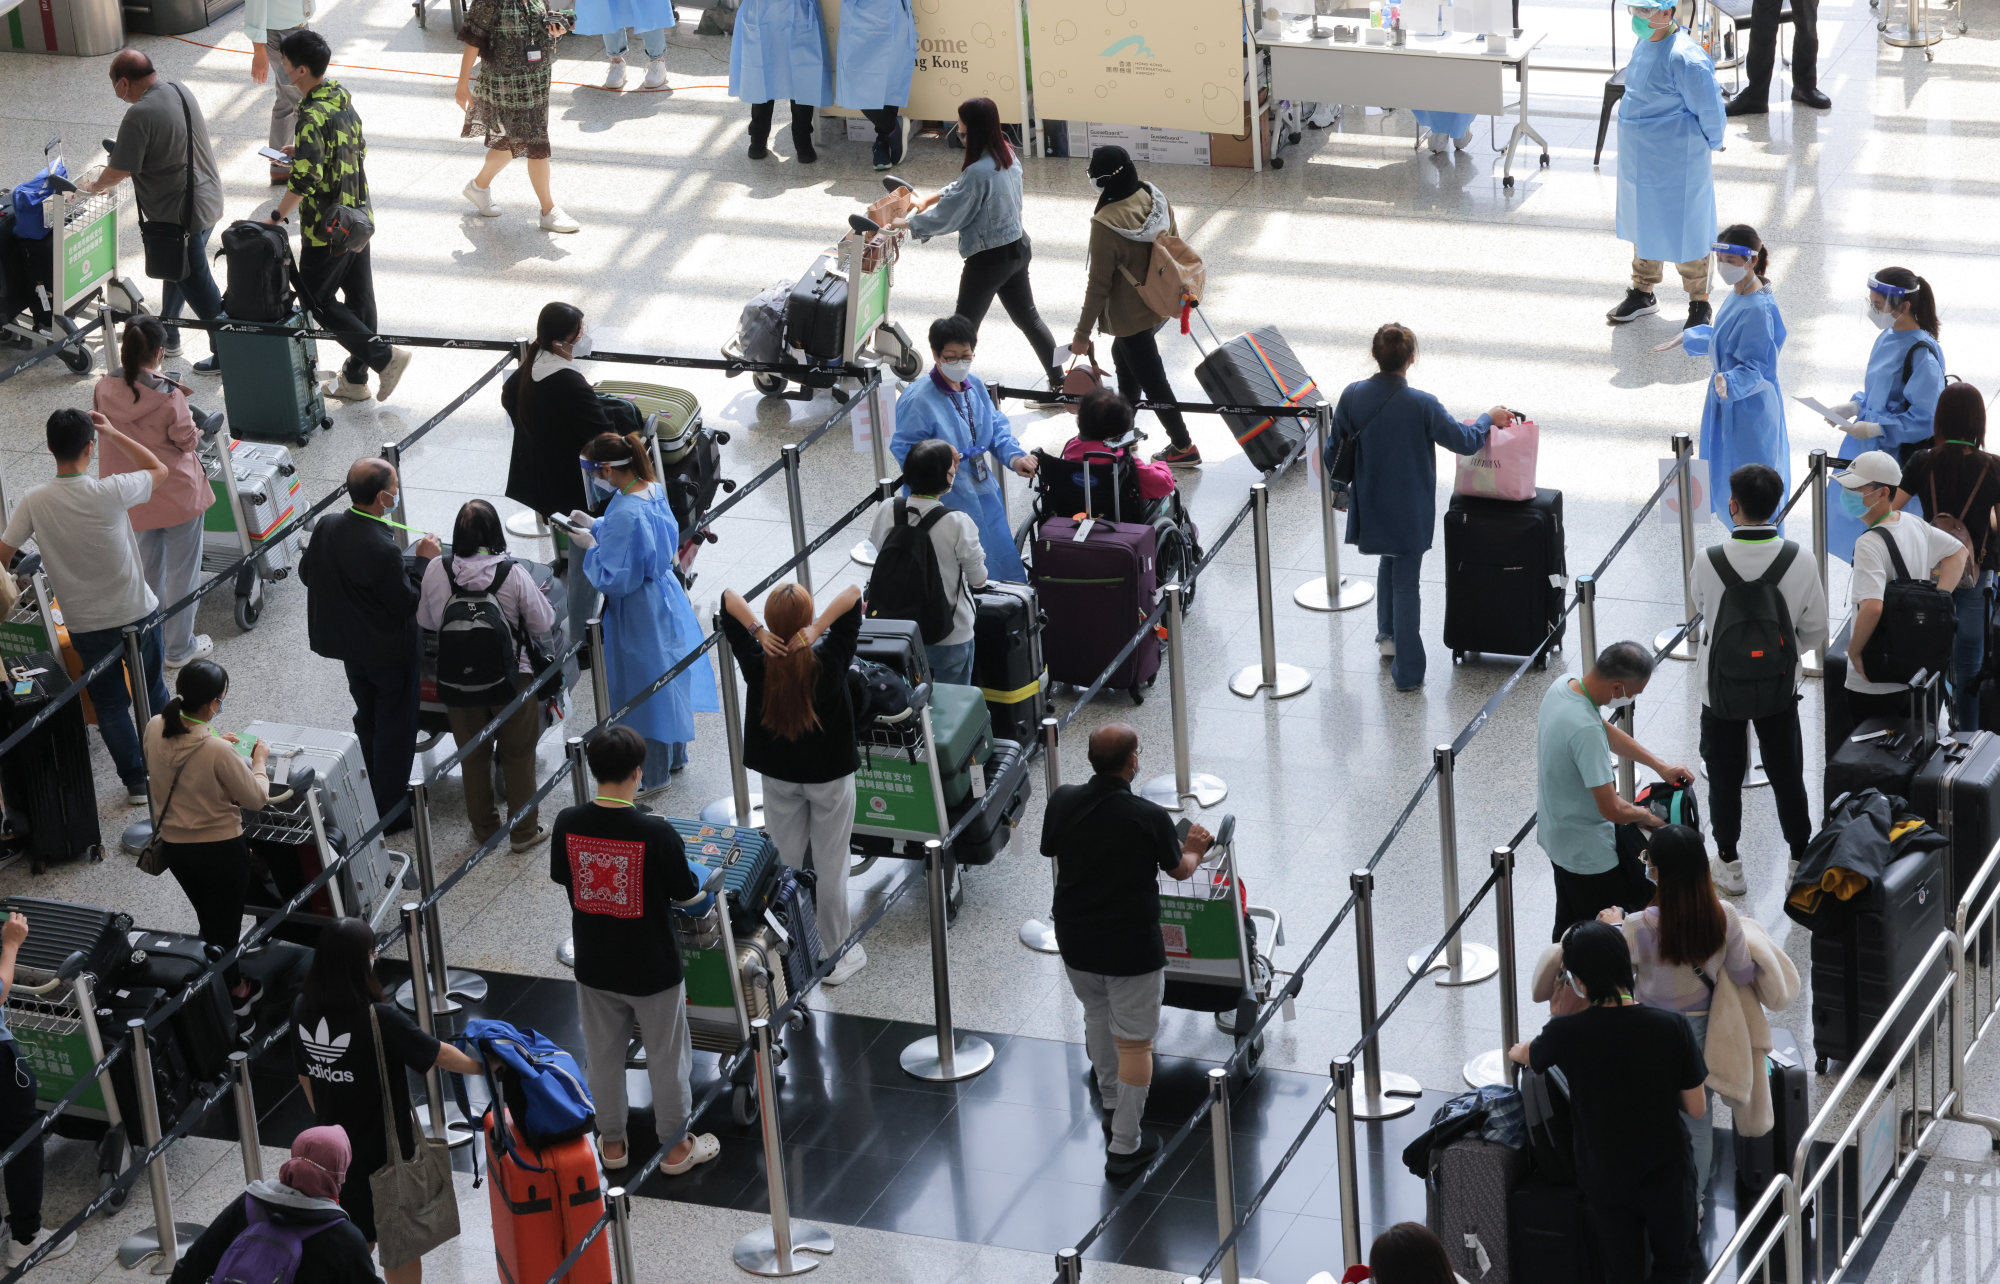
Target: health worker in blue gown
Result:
[[1895, 408], [1743, 415], [1668, 122], [950, 403], [1453, 125], [649, 624], [875, 60], [779, 51]]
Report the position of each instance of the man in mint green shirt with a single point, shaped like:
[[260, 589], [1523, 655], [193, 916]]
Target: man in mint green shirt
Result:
[[1577, 803]]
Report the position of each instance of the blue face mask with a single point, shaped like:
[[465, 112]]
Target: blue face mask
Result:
[[601, 490], [1852, 504]]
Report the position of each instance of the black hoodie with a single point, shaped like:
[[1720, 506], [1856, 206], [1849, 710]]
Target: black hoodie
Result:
[[336, 1255]]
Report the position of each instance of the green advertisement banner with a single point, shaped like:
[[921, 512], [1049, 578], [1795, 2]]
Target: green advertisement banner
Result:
[[90, 254], [58, 1061], [894, 793]]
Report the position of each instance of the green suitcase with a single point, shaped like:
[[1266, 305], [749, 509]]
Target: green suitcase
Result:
[[962, 727], [270, 386]]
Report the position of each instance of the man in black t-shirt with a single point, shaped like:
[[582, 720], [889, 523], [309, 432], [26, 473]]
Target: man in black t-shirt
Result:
[[1633, 1072], [1110, 846], [624, 869]]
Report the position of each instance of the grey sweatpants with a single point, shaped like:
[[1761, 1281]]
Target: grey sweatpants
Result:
[[1119, 1007], [285, 108], [172, 558], [819, 817], [607, 1021]]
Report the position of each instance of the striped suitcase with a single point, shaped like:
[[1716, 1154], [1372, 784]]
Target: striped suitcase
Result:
[[1260, 369]]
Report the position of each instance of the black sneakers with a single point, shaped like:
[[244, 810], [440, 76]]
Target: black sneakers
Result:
[[1699, 313], [1638, 303]]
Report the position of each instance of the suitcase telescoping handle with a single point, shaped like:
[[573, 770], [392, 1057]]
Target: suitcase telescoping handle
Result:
[[1117, 504], [1925, 711], [1195, 311]]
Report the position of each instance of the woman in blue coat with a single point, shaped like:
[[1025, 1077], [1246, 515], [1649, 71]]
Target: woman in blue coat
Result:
[[779, 51], [875, 62], [1743, 416], [1894, 410], [951, 404], [1392, 504], [1455, 125], [649, 624]]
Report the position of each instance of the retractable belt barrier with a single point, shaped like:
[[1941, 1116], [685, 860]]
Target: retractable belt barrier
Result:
[[39, 355]]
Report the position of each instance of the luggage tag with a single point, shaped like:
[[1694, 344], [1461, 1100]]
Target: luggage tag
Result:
[[784, 937], [1083, 530], [978, 781]]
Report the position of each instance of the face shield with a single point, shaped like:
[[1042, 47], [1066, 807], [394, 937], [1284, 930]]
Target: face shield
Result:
[[1882, 301], [597, 484]]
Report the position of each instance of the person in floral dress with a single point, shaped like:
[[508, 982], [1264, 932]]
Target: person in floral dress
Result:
[[514, 42]]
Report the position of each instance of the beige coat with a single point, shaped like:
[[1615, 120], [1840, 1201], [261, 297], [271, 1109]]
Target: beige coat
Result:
[[1121, 253]]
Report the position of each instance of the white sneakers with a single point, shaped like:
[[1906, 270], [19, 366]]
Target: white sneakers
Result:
[[614, 75], [392, 374], [1387, 646], [554, 220], [481, 198], [341, 388], [204, 646], [1728, 876], [18, 1252], [850, 963], [656, 75]]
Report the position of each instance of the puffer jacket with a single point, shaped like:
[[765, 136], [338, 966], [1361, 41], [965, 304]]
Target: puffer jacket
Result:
[[1121, 249]]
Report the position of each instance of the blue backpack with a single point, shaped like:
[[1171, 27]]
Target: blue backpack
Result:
[[541, 1083], [266, 1252]]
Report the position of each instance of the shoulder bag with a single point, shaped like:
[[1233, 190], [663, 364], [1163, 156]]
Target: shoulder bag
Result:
[[153, 856], [169, 247], [416, 1206], [1347, 452]]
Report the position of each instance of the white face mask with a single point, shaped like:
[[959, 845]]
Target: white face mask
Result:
[[956, 371], [581, 348], [1580, 992], [1099, 182], [1881, 319], [1732, 273], [1619, 702]]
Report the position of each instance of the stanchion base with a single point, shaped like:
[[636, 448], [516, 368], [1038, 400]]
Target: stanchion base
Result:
[[1812, 664], [1288, 680], [1313, 596], [527, 525], [458, 983], [566, 953], [146, 1243], [1206, 790], [1681, 650], [458, 1130], [863, 553], [1754, 777], [136, 836], [1476, 963], [723, 812], [1487, 1070], [757, 1252], [1398, 1097], [970, 1055], [1039, 936]]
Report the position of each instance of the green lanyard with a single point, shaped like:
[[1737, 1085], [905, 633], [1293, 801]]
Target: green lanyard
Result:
[[385, 521], [188, 717], [607, 798]]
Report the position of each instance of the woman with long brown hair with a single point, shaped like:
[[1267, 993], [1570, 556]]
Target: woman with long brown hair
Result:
[[799, 735], [1954, 479]]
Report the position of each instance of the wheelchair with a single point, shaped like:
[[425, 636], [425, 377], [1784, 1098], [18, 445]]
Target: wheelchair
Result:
[[1105, 484]]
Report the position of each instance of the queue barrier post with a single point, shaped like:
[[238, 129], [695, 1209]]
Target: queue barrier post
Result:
[[1281, 680], [579, 792], [1463, 962], [741, 807], [864, 552], [167, 1237], [1225, 1174], [946, 1056], [1036, 934], [1342, 1071], [246, 1117], [1626, 771], [1586, 616], [445, 982], [1689, 644], [1385, 1094], [457, 1130], [394, 454], [1069, 1266], [1172, 792], [625, 1267], [1815, 661], [600, 680], [1495, 1069], [139, 832], [795, 505], [773, 1251], [1333, 592]]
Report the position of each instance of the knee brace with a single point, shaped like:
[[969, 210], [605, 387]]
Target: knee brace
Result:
[[1135, 1061]]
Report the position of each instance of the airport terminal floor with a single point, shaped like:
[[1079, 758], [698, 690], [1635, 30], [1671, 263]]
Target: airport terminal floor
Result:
[[987, 1179]]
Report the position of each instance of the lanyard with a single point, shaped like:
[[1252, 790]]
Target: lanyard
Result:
[[385, 521], [607, 798], [188, 717]]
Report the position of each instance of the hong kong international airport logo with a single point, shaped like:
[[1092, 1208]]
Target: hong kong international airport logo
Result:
[[1135, 46]]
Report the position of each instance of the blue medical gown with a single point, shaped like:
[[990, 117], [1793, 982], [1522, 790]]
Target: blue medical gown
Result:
[[649, 624], [1747, 426], [779, 51], [975, 427], [1452, 123], [877, 54], [1905, 413], [603, 17], [1668, 122]]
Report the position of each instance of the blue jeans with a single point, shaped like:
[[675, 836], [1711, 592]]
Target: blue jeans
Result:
[[1968, 652], [114, 701], [654, 41], [198, 291], [1399, 607], [951, 663], [1701, 1132], [662, 761]]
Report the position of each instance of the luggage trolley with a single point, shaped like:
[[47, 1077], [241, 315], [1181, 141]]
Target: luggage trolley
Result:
[[256, 491], [64, 272], [687, 457], [1210, 931]]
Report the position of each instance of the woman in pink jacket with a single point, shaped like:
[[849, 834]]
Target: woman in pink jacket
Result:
[[153, 410]]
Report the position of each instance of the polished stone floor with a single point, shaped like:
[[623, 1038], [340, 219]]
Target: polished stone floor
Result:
[[1506, 291]]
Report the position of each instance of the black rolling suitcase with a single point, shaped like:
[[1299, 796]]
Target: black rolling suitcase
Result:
[[204, 1026], [899, 644], [51, 795], [1759, 1160], [1260, 369], [1549, 1234], [1858, 968], [1958, 790], [1887, 753], [816, 314], [174, 1082], [1007, 659], [795, 908], [58, 929], [1005, 774], [1504, 575]]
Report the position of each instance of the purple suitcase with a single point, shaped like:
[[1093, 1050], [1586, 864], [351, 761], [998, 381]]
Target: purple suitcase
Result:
[[1094, 594]]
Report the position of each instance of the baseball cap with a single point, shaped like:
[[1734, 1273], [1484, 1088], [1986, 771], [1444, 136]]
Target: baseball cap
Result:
[[1872, 468]]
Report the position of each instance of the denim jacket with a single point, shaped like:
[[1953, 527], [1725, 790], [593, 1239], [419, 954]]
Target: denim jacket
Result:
[[983, 205]]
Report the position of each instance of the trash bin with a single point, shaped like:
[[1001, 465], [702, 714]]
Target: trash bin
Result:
[[173, 17], [85, 28]]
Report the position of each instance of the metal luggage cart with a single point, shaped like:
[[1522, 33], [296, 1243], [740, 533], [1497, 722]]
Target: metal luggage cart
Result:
[[297, 824], [53, 1017], [457, 14], [82, 271], [1213, 960], [231, 529]]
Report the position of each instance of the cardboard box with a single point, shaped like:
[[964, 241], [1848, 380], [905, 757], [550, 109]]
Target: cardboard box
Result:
[[1133, 138], [1232, 151], [1177, 147]]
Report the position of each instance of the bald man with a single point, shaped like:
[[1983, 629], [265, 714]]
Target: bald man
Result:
[[1110, 846], [361, 609]]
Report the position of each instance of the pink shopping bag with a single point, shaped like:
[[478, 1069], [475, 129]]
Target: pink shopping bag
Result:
[[1504, 468]]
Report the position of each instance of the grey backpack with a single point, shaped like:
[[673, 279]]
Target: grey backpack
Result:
[[760, 334]]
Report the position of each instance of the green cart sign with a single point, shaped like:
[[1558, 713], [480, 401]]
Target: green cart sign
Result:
[[58, 1061], [89, 253], [894, 794], [706, 978], [1201, 931]]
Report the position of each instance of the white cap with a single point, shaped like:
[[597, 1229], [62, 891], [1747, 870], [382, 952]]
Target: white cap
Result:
[[1874, 468]]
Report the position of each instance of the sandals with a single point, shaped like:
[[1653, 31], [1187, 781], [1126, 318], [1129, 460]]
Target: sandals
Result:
[[617, 1165], [705, 1148]]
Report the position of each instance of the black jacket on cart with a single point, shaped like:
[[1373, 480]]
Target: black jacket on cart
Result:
[[361, 600], [562, 415]]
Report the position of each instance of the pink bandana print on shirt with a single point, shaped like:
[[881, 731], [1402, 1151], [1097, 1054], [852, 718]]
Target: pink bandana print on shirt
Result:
[[607, 875]]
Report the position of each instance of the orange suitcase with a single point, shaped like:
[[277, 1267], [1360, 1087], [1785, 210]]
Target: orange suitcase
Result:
[[538, 1217]]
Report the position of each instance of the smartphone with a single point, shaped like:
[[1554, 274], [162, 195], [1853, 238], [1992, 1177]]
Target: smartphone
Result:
[[273, 155], [562, 523]]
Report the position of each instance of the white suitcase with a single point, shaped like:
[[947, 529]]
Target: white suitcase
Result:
[[372, 884], [268, 485]]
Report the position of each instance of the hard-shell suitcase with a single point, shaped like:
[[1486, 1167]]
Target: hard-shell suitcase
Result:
[[690, 453], [268, 485], [174, 1081], [48, 782], [1466, 1203], [797, 912], [1007, 658], [371, 884], [1260, 369], [1005, 774], [748, 857], [270, 384], [1958, 790], [816, 314], [1886, 753], [544, 1202], [205, 1025], [711, 1003], [1759, 1160], [896, 643], [1550, 1240], [1095, 593], [1858, 970], [962, 733], [1504, 574], [58, 929]]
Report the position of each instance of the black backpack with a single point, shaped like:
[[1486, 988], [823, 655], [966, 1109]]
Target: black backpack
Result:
[[1918, 626], [258, 261], [879, 694], [478, 654], [1753, 653], [907, 583]]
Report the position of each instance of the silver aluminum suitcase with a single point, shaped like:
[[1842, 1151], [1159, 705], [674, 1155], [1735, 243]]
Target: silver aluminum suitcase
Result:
[[268, 486], [374, 877]]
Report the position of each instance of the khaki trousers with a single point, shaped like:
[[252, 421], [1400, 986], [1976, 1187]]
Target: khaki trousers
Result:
[[1647, 273]]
